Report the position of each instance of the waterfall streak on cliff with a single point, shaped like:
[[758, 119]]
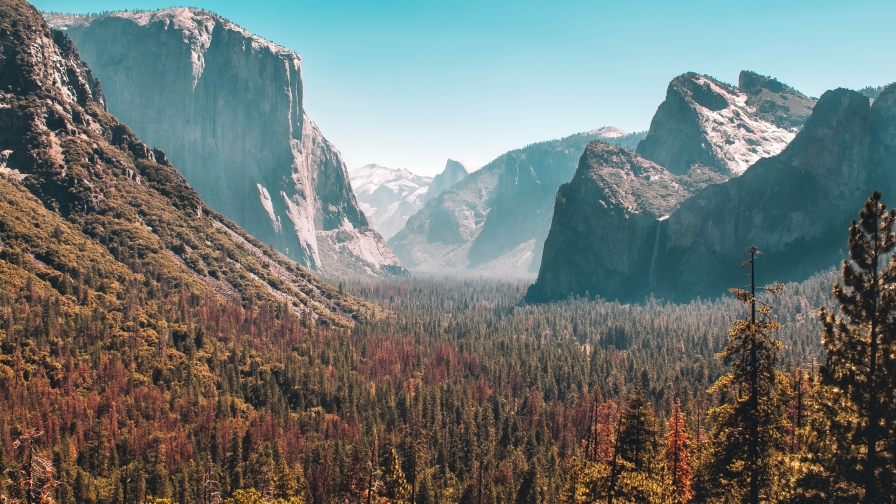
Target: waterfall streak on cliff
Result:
[[656, 247]]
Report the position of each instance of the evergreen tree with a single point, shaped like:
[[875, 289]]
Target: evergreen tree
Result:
[[395, 486], [857, 379], [749, 431], [678, 453], [638, 439]]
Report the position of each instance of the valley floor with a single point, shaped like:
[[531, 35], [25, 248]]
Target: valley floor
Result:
[[460, 393]]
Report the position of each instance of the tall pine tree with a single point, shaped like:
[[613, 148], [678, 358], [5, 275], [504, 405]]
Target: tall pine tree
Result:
[[749, 428], [858, 376]]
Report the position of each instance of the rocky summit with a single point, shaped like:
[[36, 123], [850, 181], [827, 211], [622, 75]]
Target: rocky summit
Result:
[[390, 196], [494, 222], [709, 123], [227, 108]]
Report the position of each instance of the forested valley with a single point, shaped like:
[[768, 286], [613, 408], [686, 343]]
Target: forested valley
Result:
[[458, 392]]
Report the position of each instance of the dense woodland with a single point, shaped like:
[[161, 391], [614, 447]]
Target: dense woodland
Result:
[[460, 393]]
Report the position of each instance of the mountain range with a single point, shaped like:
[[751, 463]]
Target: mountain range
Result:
[[651, 221], [227, 108], [390, 196], [494, 221]]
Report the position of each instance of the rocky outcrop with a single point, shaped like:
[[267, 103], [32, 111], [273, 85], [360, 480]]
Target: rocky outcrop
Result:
[[495, 221], [454, 172], [712, 124], [226, 106], [390, 196], [795, 206], [607, 220], [92, 204]]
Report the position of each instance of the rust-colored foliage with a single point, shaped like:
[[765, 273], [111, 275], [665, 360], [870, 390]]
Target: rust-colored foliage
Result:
[[678, 453]]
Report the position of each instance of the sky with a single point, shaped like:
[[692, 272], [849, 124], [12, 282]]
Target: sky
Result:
[[410, 83]]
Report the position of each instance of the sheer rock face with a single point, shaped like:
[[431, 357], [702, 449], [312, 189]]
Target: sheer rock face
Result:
[[494, 222], [226, 106], [708, 123], [795, 206], [390, 196], [606, 220], [119, 202]]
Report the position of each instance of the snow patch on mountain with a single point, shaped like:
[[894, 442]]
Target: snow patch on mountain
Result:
[[390, 196], [608, 132], [737, 137]]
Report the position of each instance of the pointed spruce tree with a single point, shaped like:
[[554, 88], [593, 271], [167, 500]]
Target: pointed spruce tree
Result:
[[859, 374], [748, 435], [678, 454]]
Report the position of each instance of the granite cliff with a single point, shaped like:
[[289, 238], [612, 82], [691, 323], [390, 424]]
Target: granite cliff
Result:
[[610, 220], [617, 201], [88, 208], [494, 222], [709, 123], [795, 206], [227, 108]]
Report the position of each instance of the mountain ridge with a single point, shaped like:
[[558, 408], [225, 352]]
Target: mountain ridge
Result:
[[493, 223], [389, 196], [795, 206]]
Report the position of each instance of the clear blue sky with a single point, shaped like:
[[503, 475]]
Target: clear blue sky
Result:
[[409, 83]]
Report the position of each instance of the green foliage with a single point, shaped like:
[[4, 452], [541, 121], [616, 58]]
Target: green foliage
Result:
[[856, 435], [253, 496], [748, 434]]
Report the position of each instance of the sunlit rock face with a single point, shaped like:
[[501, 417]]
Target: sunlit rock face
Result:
[[226, 106], [709, 123]]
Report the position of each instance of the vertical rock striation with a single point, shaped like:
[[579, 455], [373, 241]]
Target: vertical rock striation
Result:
[[227, 108]]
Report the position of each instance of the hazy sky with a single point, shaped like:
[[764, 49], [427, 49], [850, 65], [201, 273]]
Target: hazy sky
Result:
[[407, 84]]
